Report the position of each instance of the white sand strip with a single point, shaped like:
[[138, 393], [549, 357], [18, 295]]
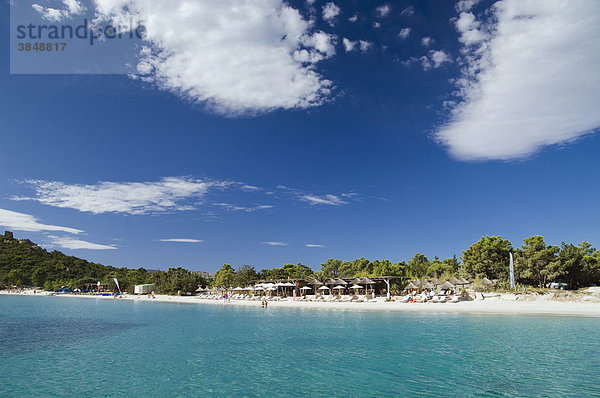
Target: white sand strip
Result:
[[501, 304]]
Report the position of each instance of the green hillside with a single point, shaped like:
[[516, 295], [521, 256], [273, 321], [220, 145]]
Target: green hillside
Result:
[[24, 263]]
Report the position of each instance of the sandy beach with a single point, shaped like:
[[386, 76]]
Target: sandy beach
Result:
[[583, 303]]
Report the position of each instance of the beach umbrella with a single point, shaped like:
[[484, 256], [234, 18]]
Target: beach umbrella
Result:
[[428, 286], [339, 287], [340, 281], [447, 285], [486, 282], [323, 288], [464, 281], [289, 284], [435, 281], [315, 282], [411, 286], [259, 288], [454, 281], [238, 289], [306, 288], [356, 287]]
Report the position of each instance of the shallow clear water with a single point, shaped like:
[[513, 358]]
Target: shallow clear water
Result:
[[81, 347]]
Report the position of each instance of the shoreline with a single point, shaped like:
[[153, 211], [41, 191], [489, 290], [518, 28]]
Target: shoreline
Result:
[[498, 304]]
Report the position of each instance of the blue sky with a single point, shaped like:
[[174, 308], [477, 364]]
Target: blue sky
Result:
[[445, 122]]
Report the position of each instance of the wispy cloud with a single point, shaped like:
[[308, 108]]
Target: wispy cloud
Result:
[[27, 222], [313, 245], [230, 207], [330, 11], [181, 240], [427, 41], [168, 194], [529, 78], [250, 188], [319, 199], [76, 244], [404, 33], [383, 11], [408, 11], [71, 7], [273, 243], [331, 200]]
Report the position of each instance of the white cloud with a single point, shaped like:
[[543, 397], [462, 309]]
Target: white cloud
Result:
[[247, 209], [408, 11], [168, 194], [272, 243], [376, 25], [348, 44], [72, 7], [353, 18], [383, 10], [531, 81], [439, 57], [332, 200], [313, 245], [233, 56], [468, 27], [432, 60], [364, 45], [27, 222], [181, 240], [76, 244], [465, 5], [250, 188], [404, 33], [427, 41], [330, 11]]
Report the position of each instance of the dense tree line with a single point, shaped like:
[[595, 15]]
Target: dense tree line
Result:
[[23, 263], [536, 264]]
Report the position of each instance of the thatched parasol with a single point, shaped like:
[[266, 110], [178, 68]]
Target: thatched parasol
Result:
[[447, 285], [486, 282]]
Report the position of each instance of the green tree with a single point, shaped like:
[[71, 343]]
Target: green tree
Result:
[[488, 257], [575, 265], [245, 275], [446, 268], [417, 267], [532, 260], [225, 276], [331, 268], [386, 268]]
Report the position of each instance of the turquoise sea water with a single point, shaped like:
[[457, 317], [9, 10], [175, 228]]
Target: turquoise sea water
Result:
[[85, 347]]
